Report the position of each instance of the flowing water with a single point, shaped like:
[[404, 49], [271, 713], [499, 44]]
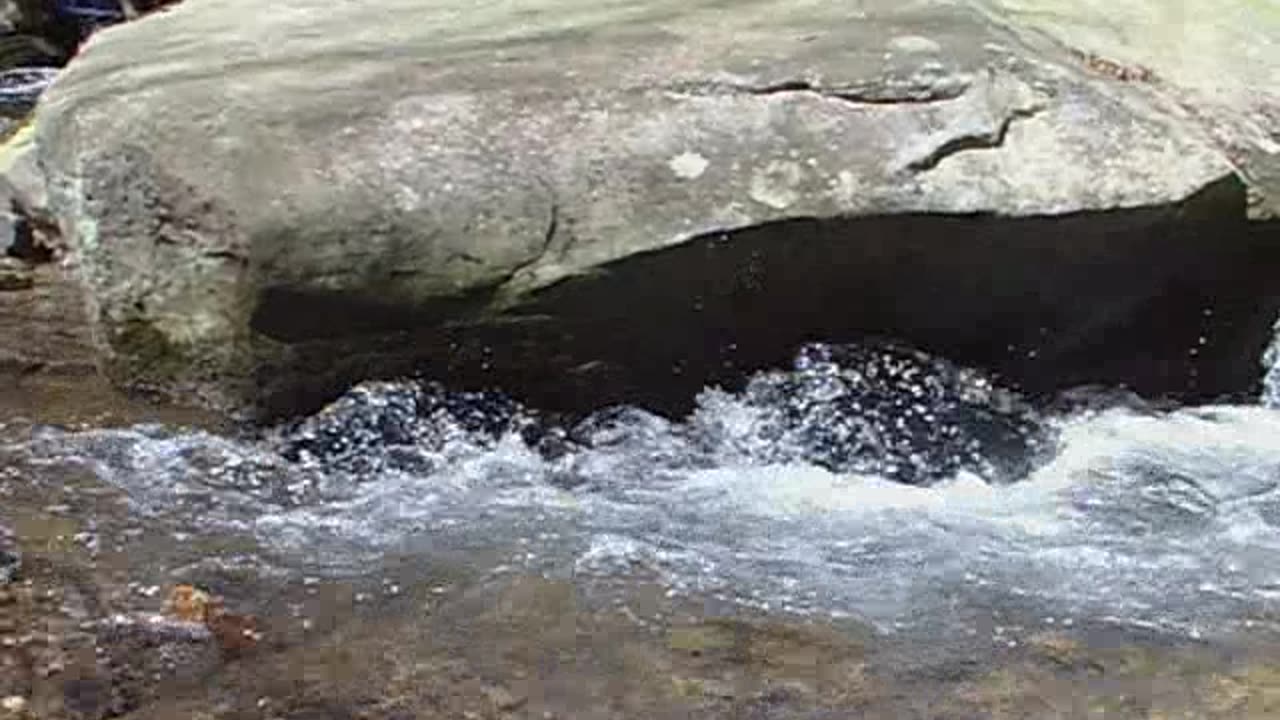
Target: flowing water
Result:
[[871, 482]]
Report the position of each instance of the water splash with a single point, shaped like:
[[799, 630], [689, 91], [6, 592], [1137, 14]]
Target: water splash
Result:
[[384, 427], [869, 480], [881, 409], [1271, 370]]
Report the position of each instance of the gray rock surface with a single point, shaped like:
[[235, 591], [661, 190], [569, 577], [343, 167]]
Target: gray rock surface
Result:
[[1214, 62], [21, 180], [531, 196]]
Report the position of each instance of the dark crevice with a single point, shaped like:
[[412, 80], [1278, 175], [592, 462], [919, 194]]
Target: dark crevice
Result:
[[227, 255], [869, 93], [459, 256], [553, 225], [988, 140], [782, 87], [548, 238], [26, 244]]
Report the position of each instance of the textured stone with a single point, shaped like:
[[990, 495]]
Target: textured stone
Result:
[[585, 202]]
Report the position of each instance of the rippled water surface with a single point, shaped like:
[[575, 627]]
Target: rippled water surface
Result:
[[871, 481]]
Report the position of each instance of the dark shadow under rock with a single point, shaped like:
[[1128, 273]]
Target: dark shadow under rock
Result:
[[1170, 302]]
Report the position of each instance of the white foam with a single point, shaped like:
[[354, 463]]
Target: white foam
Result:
[[1163, 520]]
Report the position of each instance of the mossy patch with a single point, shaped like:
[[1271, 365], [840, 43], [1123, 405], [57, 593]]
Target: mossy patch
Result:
[[16, 137], [1252, 693], [814, 662], [698, 640], [145, 352], [1064, 677]]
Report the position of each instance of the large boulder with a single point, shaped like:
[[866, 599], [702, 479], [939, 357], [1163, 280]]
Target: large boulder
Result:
[[1216, 61], [586, 202]]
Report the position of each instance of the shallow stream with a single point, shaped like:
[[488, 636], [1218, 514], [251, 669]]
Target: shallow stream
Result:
[[868, 482]]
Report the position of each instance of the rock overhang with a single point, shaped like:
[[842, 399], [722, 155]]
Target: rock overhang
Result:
[[455, 183]]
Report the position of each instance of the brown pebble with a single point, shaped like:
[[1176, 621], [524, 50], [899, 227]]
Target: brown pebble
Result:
[[235, 633], [6, 598]]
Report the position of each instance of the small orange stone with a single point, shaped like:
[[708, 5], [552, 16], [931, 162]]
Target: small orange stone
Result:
[[235, 633], [189, 604]]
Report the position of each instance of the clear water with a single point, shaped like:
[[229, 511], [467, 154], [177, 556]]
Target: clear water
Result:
[[870, 481]]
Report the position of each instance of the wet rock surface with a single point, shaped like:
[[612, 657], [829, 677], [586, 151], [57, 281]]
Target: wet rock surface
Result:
[[44, 325], [896, 412], [43, 321], [388, 426], [873, 408], [81, 635]]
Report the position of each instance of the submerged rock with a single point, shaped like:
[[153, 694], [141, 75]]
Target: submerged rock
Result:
[[139, 654], [92, 12], [15, 275], [590, 205], [879, 408], [10, 558], [153, 629], [891, 411], [380, 426]]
